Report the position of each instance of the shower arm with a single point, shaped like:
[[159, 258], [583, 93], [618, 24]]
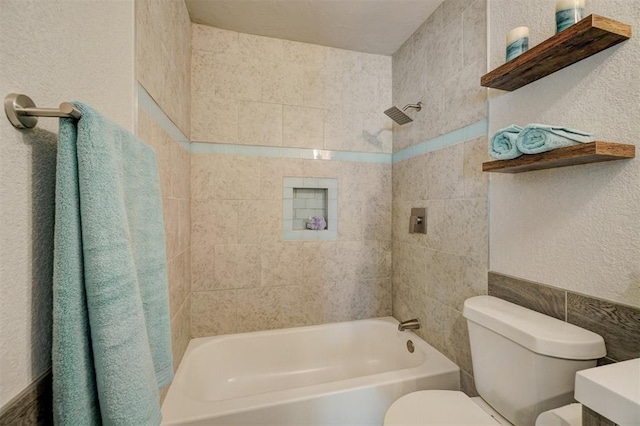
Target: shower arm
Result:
[[417, 106]]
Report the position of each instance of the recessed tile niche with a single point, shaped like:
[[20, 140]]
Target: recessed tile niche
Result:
[[306, 197]]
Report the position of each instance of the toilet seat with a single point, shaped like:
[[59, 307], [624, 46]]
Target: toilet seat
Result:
[[437, 407]]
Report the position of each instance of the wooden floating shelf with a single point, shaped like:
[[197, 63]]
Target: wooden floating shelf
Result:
[[591, 35], [594, 152]]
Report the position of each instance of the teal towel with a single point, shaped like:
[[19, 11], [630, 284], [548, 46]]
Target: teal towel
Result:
[[536, 138], [502, 145], [111, 336]]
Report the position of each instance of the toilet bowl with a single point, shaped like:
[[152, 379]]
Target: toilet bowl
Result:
[[456, 408], [440, 407], [524, 365]]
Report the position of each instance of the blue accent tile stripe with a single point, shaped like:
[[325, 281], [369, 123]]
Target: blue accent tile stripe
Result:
[[285, 152], [463, 134], [147, 103]]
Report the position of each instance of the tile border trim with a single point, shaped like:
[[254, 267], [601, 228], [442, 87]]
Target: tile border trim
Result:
[[463, 134], [33, 405], [149, 105], [287, 152]]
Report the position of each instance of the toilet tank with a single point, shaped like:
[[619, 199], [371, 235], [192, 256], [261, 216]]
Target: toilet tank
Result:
[[525, 362]]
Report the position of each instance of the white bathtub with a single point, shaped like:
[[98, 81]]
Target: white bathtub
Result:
[[336, 374]]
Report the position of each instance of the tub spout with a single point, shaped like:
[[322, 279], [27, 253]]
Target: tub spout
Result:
[[412, 324]]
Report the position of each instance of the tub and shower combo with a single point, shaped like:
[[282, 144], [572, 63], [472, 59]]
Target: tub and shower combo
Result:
[[344, 374]]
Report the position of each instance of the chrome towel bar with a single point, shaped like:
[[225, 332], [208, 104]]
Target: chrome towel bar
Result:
[[22, 111]]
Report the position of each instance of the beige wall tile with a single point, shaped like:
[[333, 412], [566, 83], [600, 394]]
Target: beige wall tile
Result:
[[342, 130], [202, 66], [274, 92], [171, 207], [187, 269], [272, 171], [377, 133], [456, 339], [282, 83], [213, 313], [261, 47], [203, 267], [203, 167], [180, 172], [320, 168], [445, 172], [309, 55], [337, 300], [181, 332], [270, 219], [214, 222], [376, 223], [163, 61], [410, 180], [237, 178], [178, 287], [315, 89], [303, 127], [465, 99], [230, 67], [319, 258], [251, 221], [237, 266], [259, 221], [373, 300], [184, 224], [214, 120], [301, 305], [260, 124], [465, 227], [259, 308], [350, 220], [213, 40], [476, 182], [352, 299], [475, 32], [386, 259], [282, 264]]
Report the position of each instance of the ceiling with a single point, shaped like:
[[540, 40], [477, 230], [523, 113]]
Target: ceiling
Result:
[[372, 26]]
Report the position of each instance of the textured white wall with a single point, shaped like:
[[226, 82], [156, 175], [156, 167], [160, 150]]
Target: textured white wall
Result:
[[578, 227], [54, 52]]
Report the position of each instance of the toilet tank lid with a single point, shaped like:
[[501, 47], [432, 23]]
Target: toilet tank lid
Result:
[[537, 332]]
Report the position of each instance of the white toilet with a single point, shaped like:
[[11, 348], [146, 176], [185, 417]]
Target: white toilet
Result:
[[524, 363]]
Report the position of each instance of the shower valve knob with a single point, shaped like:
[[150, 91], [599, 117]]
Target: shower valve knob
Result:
[[417, 223]]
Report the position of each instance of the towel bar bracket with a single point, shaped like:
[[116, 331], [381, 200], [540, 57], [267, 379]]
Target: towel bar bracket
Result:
[[22, 111]]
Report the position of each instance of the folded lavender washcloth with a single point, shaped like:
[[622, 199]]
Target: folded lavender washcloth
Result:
[[316, 223]]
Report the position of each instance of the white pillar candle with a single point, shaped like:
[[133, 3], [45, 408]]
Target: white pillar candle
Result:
[[517, 42], [568, 12], [517, 34], [569, 4]]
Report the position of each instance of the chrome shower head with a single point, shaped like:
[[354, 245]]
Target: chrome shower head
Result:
[[399, 116]]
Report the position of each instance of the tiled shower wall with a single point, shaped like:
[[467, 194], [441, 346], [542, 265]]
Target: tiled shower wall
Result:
[[249, 90], [163, 55], [433, 274], [254, 90]]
